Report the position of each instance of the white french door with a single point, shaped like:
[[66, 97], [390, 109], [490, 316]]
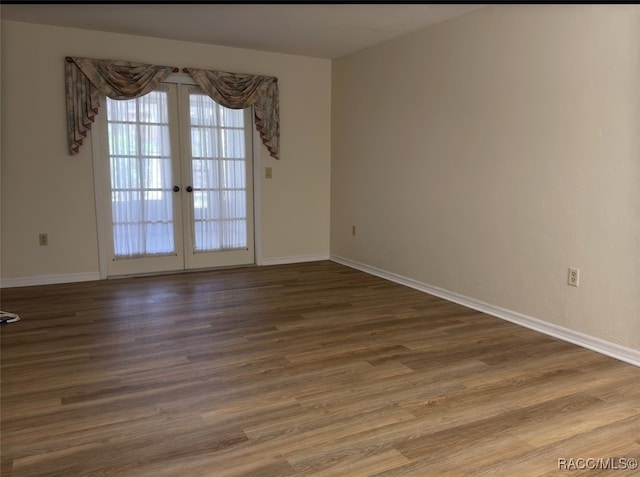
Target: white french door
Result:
[[178, 188], [220, 169]]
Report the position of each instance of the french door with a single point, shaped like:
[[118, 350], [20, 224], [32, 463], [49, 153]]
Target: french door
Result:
[[178, 188]]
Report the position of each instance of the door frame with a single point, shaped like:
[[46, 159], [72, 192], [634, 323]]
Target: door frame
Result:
[[99, 143]]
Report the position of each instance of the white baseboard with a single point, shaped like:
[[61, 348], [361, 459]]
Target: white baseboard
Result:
[[86, 277], [294, 259], [48, 280], [607, 348]]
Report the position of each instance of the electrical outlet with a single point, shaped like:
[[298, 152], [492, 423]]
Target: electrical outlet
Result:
[[44, 239], [574, 277], [268, 173]]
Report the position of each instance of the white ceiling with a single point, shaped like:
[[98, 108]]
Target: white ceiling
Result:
[[317, 30]]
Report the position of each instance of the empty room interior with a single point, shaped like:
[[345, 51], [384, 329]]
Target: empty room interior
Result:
[[328, 240]]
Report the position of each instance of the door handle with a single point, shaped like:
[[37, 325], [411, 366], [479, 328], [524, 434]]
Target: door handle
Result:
[[189, 189], [176, 189]]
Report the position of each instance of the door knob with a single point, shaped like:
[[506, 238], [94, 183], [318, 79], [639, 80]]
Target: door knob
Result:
[[176, 189], [189, 189]]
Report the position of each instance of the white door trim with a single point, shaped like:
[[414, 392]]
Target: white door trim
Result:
[[102, 194]]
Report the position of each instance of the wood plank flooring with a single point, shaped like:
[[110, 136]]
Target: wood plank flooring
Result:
[[310, 369]]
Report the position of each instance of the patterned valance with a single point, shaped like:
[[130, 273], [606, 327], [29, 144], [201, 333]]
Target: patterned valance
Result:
[[239, 91], [87, 78]]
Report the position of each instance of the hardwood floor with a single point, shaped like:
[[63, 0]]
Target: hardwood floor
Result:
[[310, 369]]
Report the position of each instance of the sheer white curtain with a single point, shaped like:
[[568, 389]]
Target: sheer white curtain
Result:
[[141, 183], [218, 162]]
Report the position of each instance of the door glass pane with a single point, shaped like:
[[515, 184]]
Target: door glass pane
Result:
[[141, 184], [218, 164]]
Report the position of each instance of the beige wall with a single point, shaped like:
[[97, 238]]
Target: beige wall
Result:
[[44, 189], [489, 153]]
